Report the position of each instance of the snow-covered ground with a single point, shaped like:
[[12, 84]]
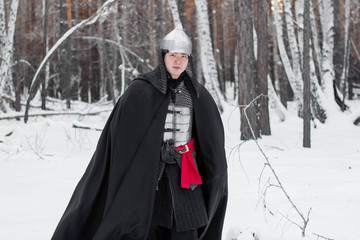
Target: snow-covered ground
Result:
[[42, 161]]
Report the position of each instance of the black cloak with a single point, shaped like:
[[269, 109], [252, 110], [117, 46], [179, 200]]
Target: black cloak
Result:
[[115, 197]]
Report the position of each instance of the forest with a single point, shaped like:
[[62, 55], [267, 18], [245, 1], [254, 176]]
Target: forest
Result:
[[285, 75], [259, 53]]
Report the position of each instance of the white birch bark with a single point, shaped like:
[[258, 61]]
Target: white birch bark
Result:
[[174, 12], [326, 11], [355, 49], [236, 76], [296, 85], [2, 28], [355, 11], [315, 41], [274, 101], [318, 98], [345, 69], [318, 105], [299, 11], [47, 67], [206, 50], [6, 85], [294, 49]]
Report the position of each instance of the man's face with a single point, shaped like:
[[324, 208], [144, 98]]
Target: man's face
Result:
[[176, 63]]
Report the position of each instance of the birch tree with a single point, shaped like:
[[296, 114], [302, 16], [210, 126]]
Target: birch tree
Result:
[[315, 41], [2, 28], [206, 51], [345, 69], [294, 49], [317, 101], [174, 12], [326, 12], [45, 81], [296, 84], [275, 102], [7, 43]]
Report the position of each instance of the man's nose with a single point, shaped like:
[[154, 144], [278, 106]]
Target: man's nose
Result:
[[178, 60]]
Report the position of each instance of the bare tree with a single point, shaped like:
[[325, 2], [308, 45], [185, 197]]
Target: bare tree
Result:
[[306, 76], [246, 69], [262, 66], [64, 53]]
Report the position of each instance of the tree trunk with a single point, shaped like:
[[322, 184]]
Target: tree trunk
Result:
[[338, 42], [345, 69], [45, 50], [159, 21], [306, 77], [262, 67], [247, 71], [7, 39], [295, 83], [315, 43], [207, 57], [275, 102], [318, 106], [216, 26], [102, 56], [2, 29], [174, 12], [64, 58], [326, 12]]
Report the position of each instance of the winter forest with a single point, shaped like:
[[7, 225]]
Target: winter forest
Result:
[[277, 69]]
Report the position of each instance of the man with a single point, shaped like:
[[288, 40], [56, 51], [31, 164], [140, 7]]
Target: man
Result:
[[159, 170]]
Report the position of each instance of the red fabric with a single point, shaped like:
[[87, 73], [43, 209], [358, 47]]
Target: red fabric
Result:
[[189, 173]]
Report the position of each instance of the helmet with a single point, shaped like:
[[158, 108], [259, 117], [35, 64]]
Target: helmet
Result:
[[177, 41]]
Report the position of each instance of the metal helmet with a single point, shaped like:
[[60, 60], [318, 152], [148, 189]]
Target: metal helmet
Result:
[[177, 41]]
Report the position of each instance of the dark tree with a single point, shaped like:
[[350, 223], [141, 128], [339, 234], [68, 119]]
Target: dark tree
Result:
[[338, 42], [64, 54], [262, 66], [247, 69], [306, 76], [44, 87]]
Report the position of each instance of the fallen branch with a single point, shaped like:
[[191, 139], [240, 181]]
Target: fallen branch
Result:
[[49, 114], [279, 184], [322, 237], [357, 121], [86, 128], [13, 101]]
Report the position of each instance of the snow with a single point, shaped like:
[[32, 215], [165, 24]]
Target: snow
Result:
[[42, 161]]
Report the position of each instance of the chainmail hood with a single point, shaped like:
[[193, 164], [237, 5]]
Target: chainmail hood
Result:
[[158, 77]]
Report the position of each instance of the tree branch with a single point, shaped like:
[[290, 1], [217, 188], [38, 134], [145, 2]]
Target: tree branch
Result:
[[268, 163]]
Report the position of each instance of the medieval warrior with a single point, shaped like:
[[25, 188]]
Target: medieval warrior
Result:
[[159, 170]]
